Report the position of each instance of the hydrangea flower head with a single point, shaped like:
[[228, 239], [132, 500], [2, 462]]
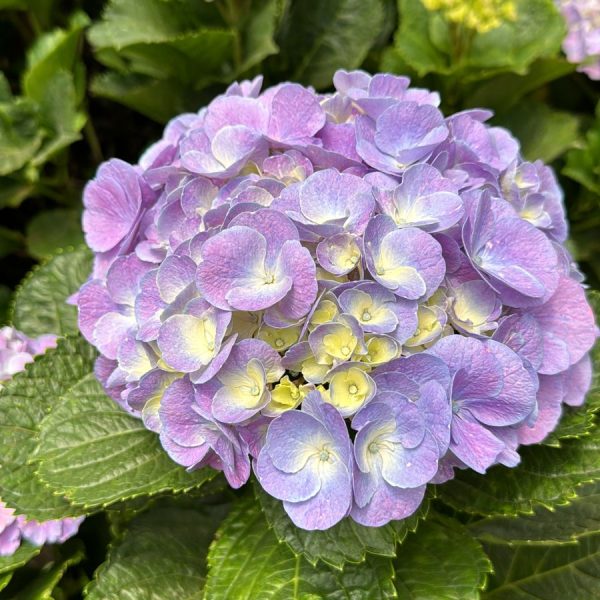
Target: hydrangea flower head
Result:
[[350, 293], [16, 351]]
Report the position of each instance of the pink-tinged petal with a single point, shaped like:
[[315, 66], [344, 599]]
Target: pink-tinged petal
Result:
[[112, 202], [93, 303], [233, 146], [123, 277], [226, 111], [296, 262], [567, 325], [339, 254], [335, 202], [295, 114], [577, 380], [424, 199], [174, 275], [274, 226], [109, 332], [518, 259], [233, 258], [408, 131], [549, 400], [407, 261], [329, 506], [186, 456], [476, 446], [294, 487], [388, 504], [148, 308], [522, 334]]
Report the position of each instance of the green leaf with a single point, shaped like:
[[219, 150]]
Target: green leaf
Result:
[[40, 301], [246, 561], [426, 43], [583, 164], [51, 230], [24, 402], [52, 52], [347, 541], [523, 572], [91, 451], [161, 555], [128, 22], [157, 99], [13, 190], [442, 561], [20, 135], [10, 241], [5, 300], [258, 32], [22, 556], [504, 91], [41, 588], [544, 133], [59, 116], [547, 476], [316, 38], [5, 580], [564, 524]]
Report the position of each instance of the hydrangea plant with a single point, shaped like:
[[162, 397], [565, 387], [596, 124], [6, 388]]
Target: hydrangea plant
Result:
[[350, 293], [17, 350]]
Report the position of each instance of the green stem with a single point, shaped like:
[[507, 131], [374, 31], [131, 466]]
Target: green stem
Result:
[[91, 138]]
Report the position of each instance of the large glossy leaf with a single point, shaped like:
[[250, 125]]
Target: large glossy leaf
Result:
[[564, 524], [52, 52], [347, 541], [547, 476], [162, 555], [23, 555], [41, 300], [543, 572], [246, 561], [316, 37], [94, 453], [442, 561], [26, 399]]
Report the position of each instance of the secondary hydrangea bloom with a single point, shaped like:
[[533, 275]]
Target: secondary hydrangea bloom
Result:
[[350, 294], [582, 44], [16, 350]]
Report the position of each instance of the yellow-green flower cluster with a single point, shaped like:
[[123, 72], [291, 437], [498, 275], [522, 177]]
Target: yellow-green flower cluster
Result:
[[479, 15]]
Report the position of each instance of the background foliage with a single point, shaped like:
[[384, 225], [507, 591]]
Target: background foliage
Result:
[[84, 80]]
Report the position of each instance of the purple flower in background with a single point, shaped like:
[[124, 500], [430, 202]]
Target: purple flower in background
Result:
[[582, 44], [351, 293], [16, 351], [307, 462]]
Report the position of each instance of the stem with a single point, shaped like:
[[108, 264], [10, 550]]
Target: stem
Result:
[[91, 138]]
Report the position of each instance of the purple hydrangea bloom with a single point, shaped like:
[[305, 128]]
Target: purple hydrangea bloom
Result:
[[284, 267], [16, 351]]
